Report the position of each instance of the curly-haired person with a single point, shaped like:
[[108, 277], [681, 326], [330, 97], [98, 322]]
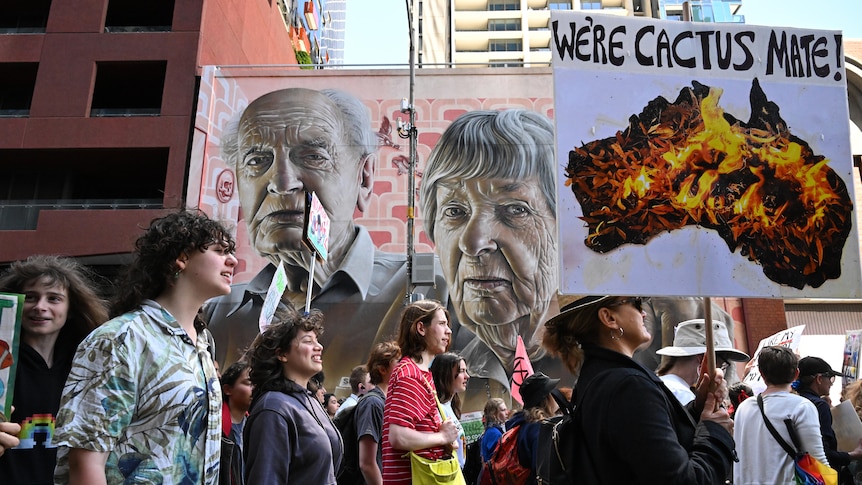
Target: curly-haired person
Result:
[[142, 402], [288, 436]]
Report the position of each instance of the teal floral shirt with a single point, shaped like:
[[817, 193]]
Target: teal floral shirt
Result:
[[141, 390]]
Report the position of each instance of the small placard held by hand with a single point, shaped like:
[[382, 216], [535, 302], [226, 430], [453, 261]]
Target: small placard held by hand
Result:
[[847, 426], [273, 296]]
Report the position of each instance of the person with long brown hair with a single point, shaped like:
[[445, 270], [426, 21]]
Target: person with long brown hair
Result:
[[61, 306], [411, 420], [450, 379], [632, 428]]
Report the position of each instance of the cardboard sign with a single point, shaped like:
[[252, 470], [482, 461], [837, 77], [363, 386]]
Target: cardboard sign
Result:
[[273, 296], [785, 338], [316, 226], [850, 366], [847, 426], [704, 156], [11, 309]]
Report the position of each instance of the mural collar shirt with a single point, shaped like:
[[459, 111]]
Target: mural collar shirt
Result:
[[144, 392], [362, 302]]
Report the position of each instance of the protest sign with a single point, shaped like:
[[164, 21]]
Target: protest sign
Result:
[[11, 308], [273, 296], [847, 426], [522, 369], [850, 366], [786, 338], [712, 157]]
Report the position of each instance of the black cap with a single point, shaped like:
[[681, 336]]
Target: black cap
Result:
[[536, 388], [811, 366]]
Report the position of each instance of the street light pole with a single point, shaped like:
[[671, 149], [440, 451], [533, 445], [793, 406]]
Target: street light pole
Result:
[[409, 131]]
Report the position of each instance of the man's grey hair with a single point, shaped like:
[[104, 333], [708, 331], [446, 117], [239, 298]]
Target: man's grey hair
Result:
[[509, 144], [356, 119]]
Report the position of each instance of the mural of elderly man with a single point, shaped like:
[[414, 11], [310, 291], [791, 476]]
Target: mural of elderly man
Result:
[[487, 198], [287, 142]]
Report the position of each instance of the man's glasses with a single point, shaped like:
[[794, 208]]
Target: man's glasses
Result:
[[637, 302], [830, 377]]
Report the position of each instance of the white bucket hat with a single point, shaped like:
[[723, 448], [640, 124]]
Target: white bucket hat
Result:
[[690, 339]]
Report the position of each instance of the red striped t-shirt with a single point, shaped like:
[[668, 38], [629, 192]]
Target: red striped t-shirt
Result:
[[411, 404]]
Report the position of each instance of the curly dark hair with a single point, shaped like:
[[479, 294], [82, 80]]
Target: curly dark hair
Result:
[[412, 344], [86, 309], [156, 253], [266, 371], [443, 369]]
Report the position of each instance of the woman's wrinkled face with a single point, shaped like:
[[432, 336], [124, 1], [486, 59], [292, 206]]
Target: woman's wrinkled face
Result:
[[497, 242]]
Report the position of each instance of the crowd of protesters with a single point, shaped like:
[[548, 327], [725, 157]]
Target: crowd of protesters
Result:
[[136, 397]]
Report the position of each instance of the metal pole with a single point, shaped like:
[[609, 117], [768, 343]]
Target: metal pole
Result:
[[411, 174]]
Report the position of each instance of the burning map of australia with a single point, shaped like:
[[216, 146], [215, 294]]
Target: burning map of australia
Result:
[[762, 189]]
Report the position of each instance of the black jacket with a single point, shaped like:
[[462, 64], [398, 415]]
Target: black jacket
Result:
[[635, 430]]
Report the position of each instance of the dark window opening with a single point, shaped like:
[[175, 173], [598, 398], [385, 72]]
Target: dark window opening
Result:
[[17, 80], [86, 178], [128, 88], [24, 16], [138, 16]]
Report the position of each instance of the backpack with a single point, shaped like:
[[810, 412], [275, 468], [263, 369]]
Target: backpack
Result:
[[349, 473], [557, 436], [560, 444], [473, 461], [504, 467]]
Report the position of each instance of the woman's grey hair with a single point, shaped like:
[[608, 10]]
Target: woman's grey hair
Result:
[[356, 119], [508, 144]]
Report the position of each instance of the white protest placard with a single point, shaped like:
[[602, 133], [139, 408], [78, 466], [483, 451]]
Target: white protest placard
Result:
[[11, 309], [273, 296], [850, 365], [847, 426], [786, 338], [714, 158]]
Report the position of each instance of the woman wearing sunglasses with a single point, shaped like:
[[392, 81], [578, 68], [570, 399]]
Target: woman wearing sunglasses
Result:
[[634, 430]]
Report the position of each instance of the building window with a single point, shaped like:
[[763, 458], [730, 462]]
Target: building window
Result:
[[24, 16], [560, 5], [497, 5], [139, 16], [103, 178], [509, 45], [128, 88], [588, 5], [500, 25], [17, 80]]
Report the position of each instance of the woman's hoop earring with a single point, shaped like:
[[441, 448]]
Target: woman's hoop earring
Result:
[[614, 337]]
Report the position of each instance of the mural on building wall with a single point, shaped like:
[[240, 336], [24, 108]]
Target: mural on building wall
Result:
[[486, 207], [719, 163]]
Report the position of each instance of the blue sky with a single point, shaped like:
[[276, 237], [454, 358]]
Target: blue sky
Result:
[[377, 30]]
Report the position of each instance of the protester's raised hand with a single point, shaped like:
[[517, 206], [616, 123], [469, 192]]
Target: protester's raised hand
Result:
[[714, 410], [704, 387]]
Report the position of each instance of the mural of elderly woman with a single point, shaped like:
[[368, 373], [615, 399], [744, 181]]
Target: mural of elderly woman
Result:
[[488, 203]]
